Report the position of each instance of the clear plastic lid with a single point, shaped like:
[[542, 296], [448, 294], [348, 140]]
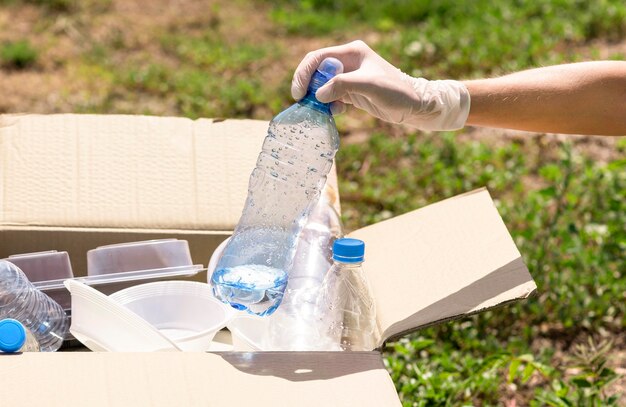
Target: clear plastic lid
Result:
[[135, 256], [128, 276], [117, 266], [42, 266]]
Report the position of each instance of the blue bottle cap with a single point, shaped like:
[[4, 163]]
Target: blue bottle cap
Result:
[[327, 69], [12, 335], [330, 67], [348, 250]]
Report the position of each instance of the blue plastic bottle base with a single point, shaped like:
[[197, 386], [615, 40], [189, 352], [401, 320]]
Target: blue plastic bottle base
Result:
[[256, 289]]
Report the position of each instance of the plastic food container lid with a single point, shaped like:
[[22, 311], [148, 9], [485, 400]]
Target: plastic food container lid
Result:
[[136, 256], [42, 266]]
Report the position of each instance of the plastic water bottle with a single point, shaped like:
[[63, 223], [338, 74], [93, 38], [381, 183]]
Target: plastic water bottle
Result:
[[15, 338], [293, 325], [291, 170], [346, 306], [20, 300]]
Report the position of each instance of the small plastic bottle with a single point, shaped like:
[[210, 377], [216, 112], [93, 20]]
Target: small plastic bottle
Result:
[[291, 170], [21, 301], [345, 305], [15, 338], [293, 326]]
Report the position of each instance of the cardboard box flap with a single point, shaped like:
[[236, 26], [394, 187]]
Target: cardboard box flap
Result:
[[75, 182], [443, 261], [125, 171], [197, 379]]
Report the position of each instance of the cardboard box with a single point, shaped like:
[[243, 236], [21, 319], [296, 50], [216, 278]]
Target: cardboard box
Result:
[[74, 182]]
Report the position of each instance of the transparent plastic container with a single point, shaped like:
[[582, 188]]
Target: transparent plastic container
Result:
[[42, 267], [345, 304], [291, 170], [110, 268], [134, 256], [15, 338], [20, 300]]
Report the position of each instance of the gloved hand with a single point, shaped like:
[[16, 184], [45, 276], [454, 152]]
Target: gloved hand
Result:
[[374, 85]]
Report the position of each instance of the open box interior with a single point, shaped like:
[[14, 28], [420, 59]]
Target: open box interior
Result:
[[77, 182]]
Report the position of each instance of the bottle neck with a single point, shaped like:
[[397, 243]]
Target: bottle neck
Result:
[[351, 266], [317, 81]]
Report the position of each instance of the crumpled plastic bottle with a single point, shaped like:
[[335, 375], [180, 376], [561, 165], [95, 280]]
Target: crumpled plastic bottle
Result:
[[293, 326], [22, 301], [345, 304], [291, 170]]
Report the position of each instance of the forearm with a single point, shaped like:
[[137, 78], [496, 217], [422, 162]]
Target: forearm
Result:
[[581, 98]]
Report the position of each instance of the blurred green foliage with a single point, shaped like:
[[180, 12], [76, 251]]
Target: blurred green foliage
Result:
[[211, 78], [18, 54], [459, 38], [70, 6]]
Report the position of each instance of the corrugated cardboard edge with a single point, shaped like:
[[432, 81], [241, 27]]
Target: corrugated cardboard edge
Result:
[[80, 170], [456, 238], [87, 229], [197, 379], [531, 294]]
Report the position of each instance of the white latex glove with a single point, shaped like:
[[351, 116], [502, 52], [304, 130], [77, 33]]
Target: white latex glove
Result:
[[374, 85]]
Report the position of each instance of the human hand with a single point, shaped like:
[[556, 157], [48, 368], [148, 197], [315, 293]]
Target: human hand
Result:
[[371, 83]]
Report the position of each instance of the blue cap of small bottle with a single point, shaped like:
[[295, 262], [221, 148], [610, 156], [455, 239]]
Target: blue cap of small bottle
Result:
[[348, 250], [12, 335]]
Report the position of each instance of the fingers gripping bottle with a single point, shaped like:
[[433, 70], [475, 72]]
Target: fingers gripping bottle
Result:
[[291, 170], [20, 300]]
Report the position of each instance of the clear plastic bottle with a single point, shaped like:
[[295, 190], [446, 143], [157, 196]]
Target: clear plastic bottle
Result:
[[345, 305], [20, 300], [291, 170], [293, 326], [15, 338]]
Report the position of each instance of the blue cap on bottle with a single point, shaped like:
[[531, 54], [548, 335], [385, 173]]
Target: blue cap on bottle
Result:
[[327, 69], [12, 335], [330, 67], [348, 250]]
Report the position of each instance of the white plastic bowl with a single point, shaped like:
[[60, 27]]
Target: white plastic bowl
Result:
[[102, 324], [247, 332], [184, 311], [215, 257]]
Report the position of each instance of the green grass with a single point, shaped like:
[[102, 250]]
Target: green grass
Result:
[[452, 38], [210, 78]]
